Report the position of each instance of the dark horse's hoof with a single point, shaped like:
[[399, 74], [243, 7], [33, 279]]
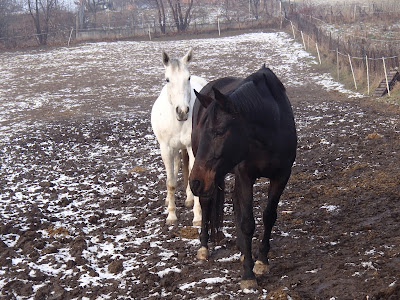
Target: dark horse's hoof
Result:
[[248, 284], [202, 253], [260, 268]]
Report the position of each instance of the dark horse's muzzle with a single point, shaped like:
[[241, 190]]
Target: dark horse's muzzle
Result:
[[201, 181], [196, 186]]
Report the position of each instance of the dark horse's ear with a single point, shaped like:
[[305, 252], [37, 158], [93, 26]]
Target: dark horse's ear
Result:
[[223, 101], [204, 99]]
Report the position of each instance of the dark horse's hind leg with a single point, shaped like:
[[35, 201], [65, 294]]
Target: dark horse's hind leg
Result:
[[277, 185], [245, 225]]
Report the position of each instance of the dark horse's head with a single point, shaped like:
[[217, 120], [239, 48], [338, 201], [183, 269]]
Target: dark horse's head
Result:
[[222, 142]]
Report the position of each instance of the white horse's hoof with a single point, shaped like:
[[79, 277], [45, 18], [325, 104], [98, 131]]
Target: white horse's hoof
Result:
[[248, 284], [202, 253], [197, 223], [171, 221], [260, 268]]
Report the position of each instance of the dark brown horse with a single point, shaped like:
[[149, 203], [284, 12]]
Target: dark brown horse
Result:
[[244, 126]]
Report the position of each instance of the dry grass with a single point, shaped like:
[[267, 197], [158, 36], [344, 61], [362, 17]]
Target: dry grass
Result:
[[54, 231]]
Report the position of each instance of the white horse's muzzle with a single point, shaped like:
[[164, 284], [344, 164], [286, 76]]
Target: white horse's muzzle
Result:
[[182, 114]]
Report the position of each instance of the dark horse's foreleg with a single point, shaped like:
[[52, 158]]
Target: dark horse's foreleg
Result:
[[245, 225], [277, 185], [212, 216], [202, 253]]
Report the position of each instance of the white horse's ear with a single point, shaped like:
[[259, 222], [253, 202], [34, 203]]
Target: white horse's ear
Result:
[[188, 57], [165, 58]]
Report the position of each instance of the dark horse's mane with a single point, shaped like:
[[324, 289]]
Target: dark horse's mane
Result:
[[249, 98]]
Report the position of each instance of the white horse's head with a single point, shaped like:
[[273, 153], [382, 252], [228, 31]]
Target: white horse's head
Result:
[[179, 91]]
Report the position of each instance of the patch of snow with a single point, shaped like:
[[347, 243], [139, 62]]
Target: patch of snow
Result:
[[330, 208]]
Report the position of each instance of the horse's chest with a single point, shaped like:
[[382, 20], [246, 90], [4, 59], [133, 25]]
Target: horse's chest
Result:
[[176, 135]]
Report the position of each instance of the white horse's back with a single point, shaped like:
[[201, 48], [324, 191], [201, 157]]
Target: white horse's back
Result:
[[197, 82]]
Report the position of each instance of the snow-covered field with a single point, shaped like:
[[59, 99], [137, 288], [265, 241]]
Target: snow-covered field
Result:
[[75, 139]]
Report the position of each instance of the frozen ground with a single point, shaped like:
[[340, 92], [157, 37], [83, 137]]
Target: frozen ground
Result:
[[82, 184]]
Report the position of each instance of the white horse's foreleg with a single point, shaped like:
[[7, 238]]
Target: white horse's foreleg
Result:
[[189, 193], [196, 212], [168, 158], [185, 167], [185, 171]]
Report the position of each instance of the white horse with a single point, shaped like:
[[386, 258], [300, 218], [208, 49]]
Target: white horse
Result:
[[171, 119]]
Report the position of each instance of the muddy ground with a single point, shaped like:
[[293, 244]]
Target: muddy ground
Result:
[[82, 214]]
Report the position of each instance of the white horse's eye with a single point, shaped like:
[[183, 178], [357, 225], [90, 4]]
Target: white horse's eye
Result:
[[189, 78], [167, 80]]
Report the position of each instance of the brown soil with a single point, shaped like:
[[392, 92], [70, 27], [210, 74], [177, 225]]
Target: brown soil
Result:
[[337, 233]]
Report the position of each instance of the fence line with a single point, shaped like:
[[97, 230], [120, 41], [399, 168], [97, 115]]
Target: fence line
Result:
[[366, 58], [350, 35], [343, 54]]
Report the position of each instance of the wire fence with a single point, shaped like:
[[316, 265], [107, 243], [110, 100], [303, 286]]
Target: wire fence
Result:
[[366, 59], [308, 42], [350, 51]]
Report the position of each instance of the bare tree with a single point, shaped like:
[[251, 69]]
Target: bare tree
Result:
[[93, 7], [7, 8], [181, 20], [41, 12], [255, 6], [161, 15]]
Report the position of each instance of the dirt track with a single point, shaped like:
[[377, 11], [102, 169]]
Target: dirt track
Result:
[[82, 195]]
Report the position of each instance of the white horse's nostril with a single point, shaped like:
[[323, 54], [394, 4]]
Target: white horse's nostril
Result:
[[184, 111]]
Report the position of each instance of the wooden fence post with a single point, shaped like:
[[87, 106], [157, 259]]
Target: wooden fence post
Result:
[[302, 37], [149, 33], [352, 71], [337, 61], [366, 63], [319, 57], [70, 36], [294, 36], [387, 82], [219, 28]]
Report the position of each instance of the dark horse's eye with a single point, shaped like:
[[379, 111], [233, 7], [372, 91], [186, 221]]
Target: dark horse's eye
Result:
[[220, 132]]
